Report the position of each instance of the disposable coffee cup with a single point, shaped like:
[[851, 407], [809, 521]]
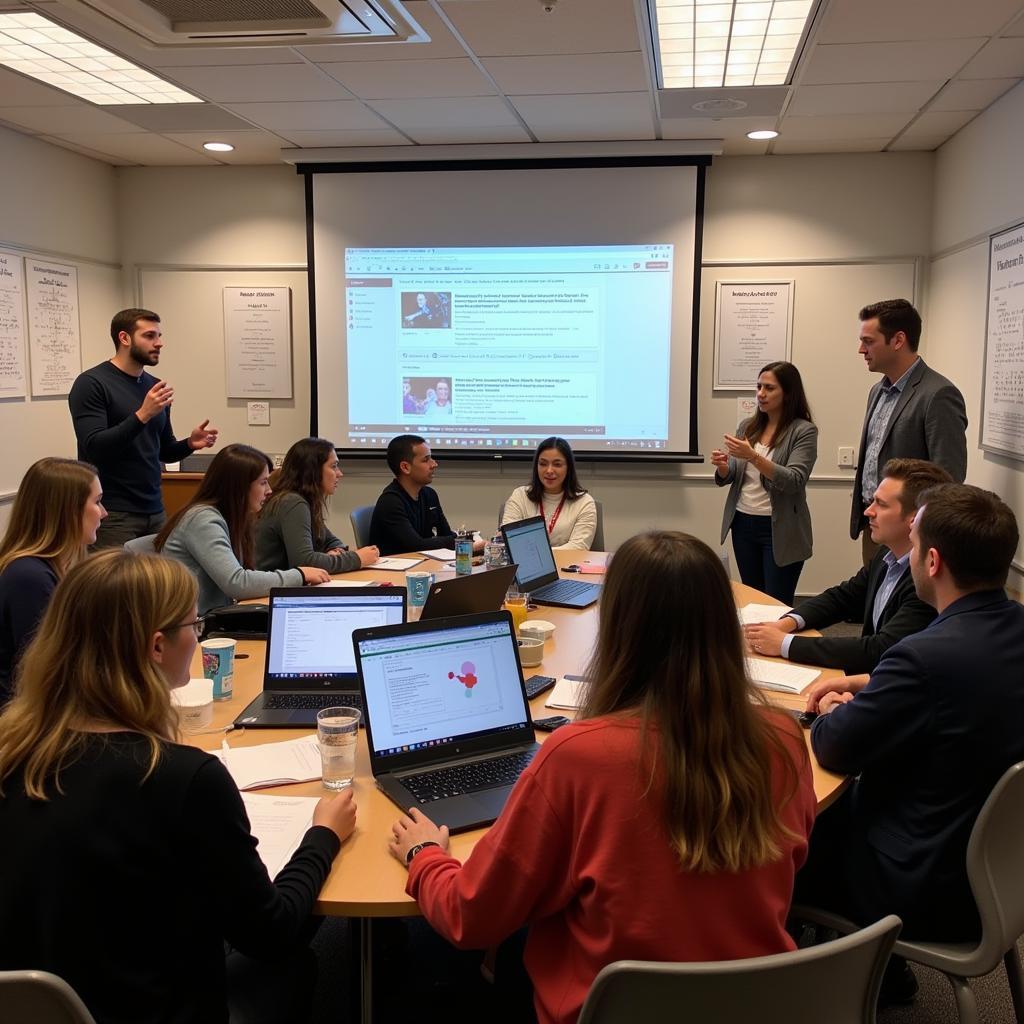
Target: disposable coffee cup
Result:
[[194, 702], [219, 665], [418, 584]]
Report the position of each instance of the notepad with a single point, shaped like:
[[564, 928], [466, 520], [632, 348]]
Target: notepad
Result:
[[440, 554], [567, 694], [273, 764], [347, 583], [278, 823], [394, 564], [777, 675], [751, 613]]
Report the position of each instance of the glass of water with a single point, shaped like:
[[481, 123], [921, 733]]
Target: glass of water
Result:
[[337, 730]]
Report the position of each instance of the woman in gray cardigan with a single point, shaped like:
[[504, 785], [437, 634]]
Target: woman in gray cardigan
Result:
[[292, 528], [213, 534], [767, 465]]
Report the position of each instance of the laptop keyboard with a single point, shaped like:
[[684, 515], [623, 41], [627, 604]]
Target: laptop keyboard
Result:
[[467, 778], [563, 590], [314, 701]]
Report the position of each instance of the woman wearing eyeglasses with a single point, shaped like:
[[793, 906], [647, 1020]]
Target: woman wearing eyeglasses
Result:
[[127, 866]]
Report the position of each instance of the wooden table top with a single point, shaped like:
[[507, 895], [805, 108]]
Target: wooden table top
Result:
[[365, 880]]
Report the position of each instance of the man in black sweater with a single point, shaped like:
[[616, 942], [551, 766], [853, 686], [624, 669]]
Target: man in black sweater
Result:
[[122, 418], [881, 595], [408, 514]]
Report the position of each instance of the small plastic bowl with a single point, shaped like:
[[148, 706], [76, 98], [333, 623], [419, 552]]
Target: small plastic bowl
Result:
[[531, 651], [194, 702], [540, 629]]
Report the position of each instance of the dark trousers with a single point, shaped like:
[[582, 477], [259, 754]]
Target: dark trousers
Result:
[[755, 560], [120, 527]]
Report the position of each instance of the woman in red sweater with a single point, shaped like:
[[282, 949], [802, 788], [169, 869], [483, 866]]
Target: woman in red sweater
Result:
[[666, 823]]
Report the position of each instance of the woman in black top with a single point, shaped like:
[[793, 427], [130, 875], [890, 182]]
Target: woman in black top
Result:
[[127, 860]]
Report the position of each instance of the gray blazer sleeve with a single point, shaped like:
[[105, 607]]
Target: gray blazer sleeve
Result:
[[791, 475]]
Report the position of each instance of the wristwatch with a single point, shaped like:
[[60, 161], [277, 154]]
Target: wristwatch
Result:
[[416, 849]]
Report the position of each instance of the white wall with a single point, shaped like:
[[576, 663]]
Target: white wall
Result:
[[828, 216], [57, 204], [977, 193]]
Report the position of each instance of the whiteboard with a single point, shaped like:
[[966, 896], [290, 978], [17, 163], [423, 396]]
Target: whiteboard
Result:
[[1002, 395]]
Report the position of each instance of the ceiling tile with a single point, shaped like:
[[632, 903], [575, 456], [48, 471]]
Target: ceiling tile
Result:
[[523, 28], [250, 147], [324, 116], [19, 91], [81, 117], [784, 145], [712, 128], [757, 101], [257, 84], [332, 140], [856, 21], [569, 73], [849, 127], [976, 94], [210, 56], [479, 135], [593, 116], [442, 43], [107, 158], [181, 117], [931, 60], [388, 79], [140, 148], [916, 144], [876, 98], [945, 122], [1001, 58], [468, 111]]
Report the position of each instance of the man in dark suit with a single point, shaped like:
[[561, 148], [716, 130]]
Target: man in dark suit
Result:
[[882, 594], [929, 735], [913, 412]]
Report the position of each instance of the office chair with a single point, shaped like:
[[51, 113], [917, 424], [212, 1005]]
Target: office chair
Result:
[[360, 518], [995, 853], [836, 982], [36, 997]]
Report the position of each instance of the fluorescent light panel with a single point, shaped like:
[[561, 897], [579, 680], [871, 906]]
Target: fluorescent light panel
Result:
[[713, 43], [39, 48]]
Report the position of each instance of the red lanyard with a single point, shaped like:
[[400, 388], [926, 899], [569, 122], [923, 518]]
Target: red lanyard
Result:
[[554, 518]]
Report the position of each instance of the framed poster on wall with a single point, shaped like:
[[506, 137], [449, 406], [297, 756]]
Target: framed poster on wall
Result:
[[258, 342], [753, 326]]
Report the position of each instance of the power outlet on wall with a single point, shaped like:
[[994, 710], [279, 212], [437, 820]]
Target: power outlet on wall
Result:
[[846, 457]]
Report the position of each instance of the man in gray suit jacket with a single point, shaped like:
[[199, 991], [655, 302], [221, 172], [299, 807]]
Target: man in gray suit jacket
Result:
[[913, 412]]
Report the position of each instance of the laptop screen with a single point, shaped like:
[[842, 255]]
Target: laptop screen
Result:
[[529, 547], [309, 640], [440, 688]]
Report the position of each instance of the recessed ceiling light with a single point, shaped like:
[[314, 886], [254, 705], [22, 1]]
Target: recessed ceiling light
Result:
[[764, 133], [218, 147], [719, 43], [35, 46]]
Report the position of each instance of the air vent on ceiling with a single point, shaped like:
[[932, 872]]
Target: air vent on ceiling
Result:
[[192, 23]]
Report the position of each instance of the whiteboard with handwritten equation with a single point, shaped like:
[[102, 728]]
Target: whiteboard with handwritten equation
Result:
[[1002, 414]]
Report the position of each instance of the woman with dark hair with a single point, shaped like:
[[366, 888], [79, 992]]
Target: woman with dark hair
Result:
[[767, 465], [127, 863], [55, 516], [554, 492], [292, 528], [666, 823], [213, 534]]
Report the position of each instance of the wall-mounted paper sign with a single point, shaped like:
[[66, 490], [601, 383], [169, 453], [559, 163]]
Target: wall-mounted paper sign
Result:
[[258, 342], [12, 326], [753, 326], [53, 331]]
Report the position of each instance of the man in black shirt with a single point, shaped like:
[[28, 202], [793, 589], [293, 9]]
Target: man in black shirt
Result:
[[408, 514], [122, 418]]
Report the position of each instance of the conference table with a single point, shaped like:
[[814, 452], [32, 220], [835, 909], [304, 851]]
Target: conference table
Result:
[[365, 881]]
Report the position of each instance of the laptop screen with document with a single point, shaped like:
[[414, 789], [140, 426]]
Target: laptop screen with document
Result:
[[529, 547]]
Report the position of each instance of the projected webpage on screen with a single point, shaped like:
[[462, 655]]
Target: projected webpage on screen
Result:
[[500, 347]]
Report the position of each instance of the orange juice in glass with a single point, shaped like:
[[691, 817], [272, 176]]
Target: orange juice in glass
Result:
[[515, 605]]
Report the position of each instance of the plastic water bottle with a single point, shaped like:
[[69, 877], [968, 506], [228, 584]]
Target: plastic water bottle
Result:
[[463, 553]]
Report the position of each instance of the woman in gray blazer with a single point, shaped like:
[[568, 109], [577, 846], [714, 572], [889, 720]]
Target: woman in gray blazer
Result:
[[767, 465]]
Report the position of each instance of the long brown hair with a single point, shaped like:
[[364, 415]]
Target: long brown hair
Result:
[[570, 486], [46, 518], [672, 653], [225, 486], [794, 403], [302, 473], [90, 663]]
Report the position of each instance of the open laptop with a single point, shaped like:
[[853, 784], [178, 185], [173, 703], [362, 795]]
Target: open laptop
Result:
[[529, 547], [310, 664], [447, 722], [465, 595]]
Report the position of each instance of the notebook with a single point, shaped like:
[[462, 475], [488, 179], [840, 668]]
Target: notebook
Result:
[[529, 547], [464, 595], [447, 722], [309, 662]]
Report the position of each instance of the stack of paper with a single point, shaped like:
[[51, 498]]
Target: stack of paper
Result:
[[751, 613], [395, 564], [778, 675], [278, 823], [273, 764], [567, 693], [440, 554]]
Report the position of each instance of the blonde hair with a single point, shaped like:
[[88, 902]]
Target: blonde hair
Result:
[[672, 653], [46, 518], [90, 663]]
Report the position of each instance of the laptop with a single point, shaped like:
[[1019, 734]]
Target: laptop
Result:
[[529, 547], [464, 595], [447, 722], [310, 664]]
